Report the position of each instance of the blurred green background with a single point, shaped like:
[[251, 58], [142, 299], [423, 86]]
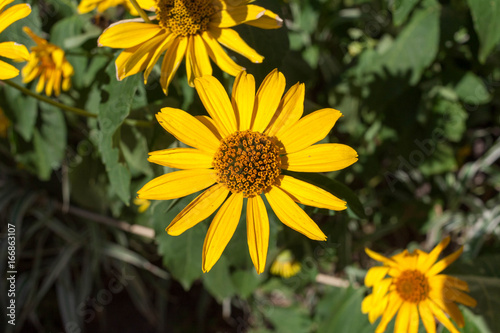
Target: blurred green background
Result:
[[418, 83]]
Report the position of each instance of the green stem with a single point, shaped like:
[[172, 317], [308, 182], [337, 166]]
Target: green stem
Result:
[[142, 13], [77, 111]]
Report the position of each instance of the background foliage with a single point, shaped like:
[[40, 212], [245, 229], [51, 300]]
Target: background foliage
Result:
[[418, 84]]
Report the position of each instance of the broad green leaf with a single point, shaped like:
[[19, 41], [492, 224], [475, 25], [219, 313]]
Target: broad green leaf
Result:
[[218, 280], [485, 14], [472, 90], [289, 320], [112, 112], [335, 187], [246, 281], [401, 9], [415, 48], [24, 111]]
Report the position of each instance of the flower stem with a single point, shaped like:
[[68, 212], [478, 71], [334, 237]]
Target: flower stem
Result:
[[142, 13], [77, 111]]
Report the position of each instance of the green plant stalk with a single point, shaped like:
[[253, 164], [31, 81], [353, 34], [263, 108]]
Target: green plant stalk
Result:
[[142, 13], [77, 111]]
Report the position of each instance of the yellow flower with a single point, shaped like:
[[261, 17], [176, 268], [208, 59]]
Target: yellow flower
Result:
[[415, 288], [4, 124], [242, 149], [47, 62], [143, 204], [190, 29], [11, 50], [86, 6], [285, 265]]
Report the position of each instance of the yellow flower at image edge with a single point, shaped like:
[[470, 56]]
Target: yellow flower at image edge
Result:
[[86, 6], [187, 29], [47, 62], [414, 288], [238, 153], [11, 50], [285, 265]]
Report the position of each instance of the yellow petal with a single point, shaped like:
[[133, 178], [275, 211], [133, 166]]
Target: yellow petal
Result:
[[292, 215], [7, 71], [436, 310], [232, 40], [446, 281], [320, 158], [367, 304], [209, 122], [380, 290], [164, 45], [171, 61], [13, 14], [215, 99], [38, 40], [402, 319], [308, 194], [289, 110], [450, 308], [378, 257], [378, 309], [177, 184], [219, 56], [198, 209], [426, 261], [187, 129], [445, 262], [197, 60], [413, 320], [182, 158], [375, 275], [267, 100], [4, 3], [232, 16], [427, 317], [269, 20], [13, 50], [242, 99], [126, 34], [393, 305], [257, 232], [221, 230], [309, 130]]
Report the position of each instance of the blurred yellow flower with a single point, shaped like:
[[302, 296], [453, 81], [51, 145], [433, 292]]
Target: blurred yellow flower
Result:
[[143, 204], [239, 153], [11, 50], [49, 63], [285, 265], [86, 6], [415, 288], [4, 124], [190, 29]]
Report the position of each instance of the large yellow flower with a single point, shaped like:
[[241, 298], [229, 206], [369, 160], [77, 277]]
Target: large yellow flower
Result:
[[239, 153], [11, 50], [190, 29], [415, 288], [48, 62], [86, 6]]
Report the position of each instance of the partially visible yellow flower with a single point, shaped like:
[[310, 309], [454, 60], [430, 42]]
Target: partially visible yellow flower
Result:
[[415, 288], [48, 62], [143, 204], [4, 124], [285, 265], [86, 6], [12, 50], [238, 153], [187, 29]]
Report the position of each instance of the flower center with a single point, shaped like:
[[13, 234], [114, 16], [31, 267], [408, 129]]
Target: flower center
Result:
[[185, 17], [412, 286], [247, 162]]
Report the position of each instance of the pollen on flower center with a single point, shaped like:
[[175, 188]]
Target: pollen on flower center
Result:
[[412, 286], [184, 17], [247, 162]]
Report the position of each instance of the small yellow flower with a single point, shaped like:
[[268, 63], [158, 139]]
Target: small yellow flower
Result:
[[285, 265], [415, 288], [143, 204], [238, 154], [190, 29], [86, 6], [4, 124], [49, 63], [11, 50]]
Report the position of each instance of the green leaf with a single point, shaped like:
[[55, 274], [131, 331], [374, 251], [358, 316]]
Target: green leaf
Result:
[[485, 14], [218, 280], [24, 112], [441, 160], [289, 320], [246, 281], [181, 254], [472, 90], [401, 9], [335, 187], [415, 48], [112, 112]]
